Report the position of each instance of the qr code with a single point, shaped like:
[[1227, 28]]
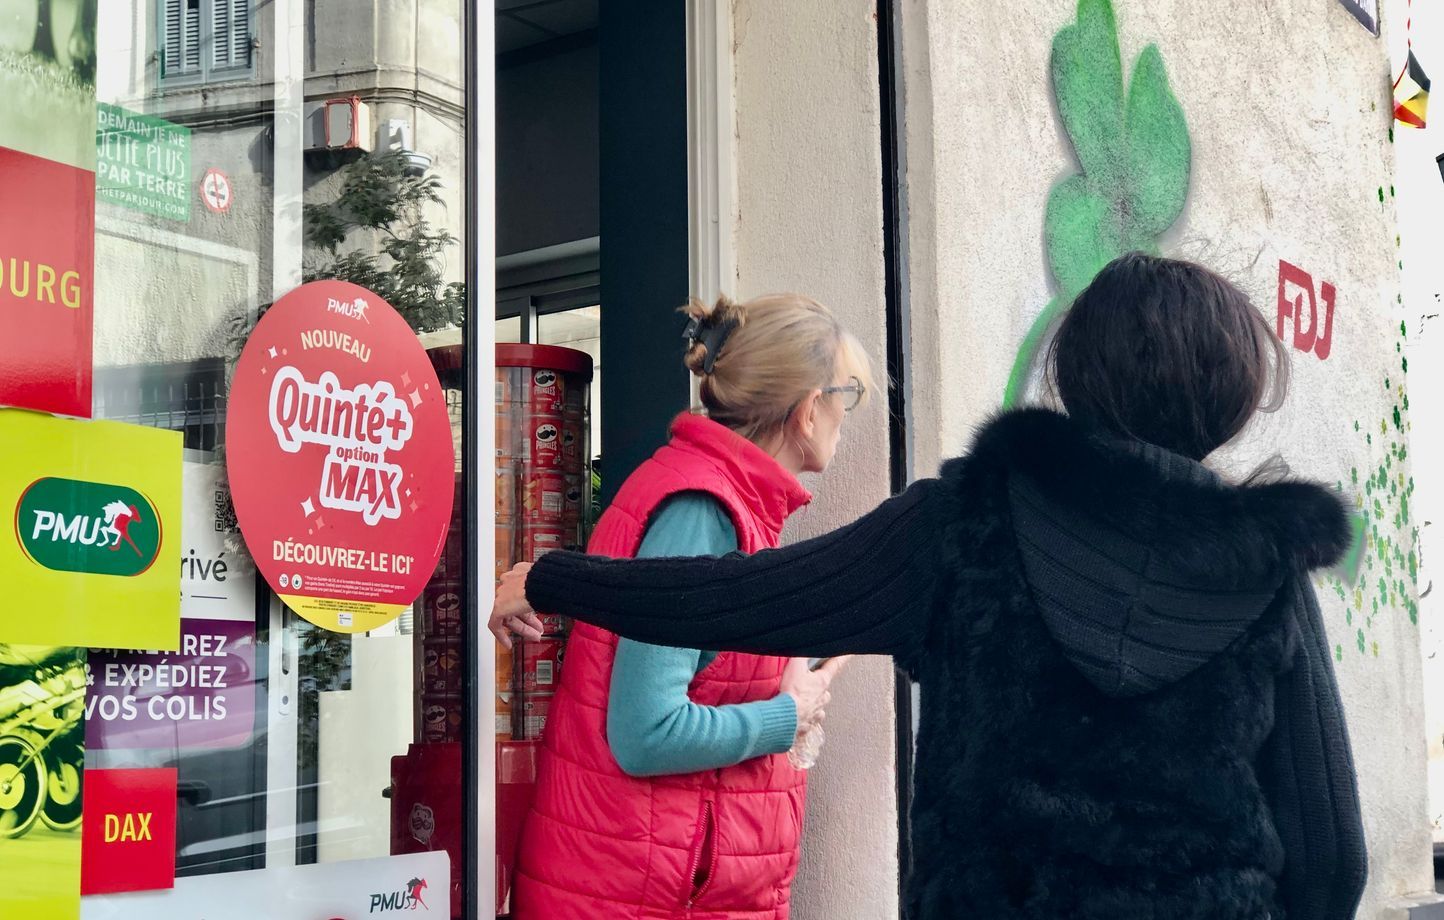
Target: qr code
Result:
[[225, 512]]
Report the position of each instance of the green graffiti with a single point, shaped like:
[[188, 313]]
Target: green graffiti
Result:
[[1385, 541], [1134, 158], [1349, 566]]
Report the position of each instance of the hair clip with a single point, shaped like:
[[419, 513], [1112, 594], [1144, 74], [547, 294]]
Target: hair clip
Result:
[[710, 335], [714, 337]]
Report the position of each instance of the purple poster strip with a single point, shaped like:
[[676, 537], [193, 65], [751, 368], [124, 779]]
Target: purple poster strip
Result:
[[203, 696]]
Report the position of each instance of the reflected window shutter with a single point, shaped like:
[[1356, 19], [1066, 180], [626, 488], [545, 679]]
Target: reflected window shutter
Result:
[[240, 33], [231, 29], [174, 36], [220, 33], [190, 36]]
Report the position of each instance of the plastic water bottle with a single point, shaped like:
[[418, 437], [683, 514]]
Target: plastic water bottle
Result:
[[803, 753]]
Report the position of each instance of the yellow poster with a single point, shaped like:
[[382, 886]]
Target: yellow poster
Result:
[[42, 762], [90, 513]]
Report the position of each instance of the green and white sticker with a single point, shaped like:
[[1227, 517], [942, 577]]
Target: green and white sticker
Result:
[[142, 163], [72, 526]]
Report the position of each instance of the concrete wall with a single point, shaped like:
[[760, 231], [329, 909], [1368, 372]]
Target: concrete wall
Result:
[[170, 290], [810, 220], [404, 58], [165, 290], [1287, 115]]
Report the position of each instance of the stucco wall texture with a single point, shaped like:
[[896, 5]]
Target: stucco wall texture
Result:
[[809, 219], [1287, 108]]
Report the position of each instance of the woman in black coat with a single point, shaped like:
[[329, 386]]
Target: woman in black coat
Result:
[[1128, 704]]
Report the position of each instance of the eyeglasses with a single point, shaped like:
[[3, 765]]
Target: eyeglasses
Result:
[[852, 393]]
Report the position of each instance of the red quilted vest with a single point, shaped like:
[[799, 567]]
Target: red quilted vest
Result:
[[717, 845]]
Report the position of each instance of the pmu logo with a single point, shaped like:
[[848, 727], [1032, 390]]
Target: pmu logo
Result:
[[356, 309], [410, 898], [73, 526]]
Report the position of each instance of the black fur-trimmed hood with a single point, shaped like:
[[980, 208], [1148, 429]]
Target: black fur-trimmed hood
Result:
[[1145, 564]]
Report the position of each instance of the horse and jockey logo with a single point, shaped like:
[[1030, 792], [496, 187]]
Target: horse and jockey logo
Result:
[[97, 528], [409, 898], [413, 892], [118, 518]]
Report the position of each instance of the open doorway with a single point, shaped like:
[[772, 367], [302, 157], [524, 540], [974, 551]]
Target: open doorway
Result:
[[591, 264]]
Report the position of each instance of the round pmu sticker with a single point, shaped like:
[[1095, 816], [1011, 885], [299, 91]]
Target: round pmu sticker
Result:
[[339, 453]]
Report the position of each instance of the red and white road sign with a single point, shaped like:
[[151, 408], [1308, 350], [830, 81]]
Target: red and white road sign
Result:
[[216, 191]]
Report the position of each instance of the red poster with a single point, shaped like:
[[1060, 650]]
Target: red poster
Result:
[[128, 831], [47, 254], [339, 453]]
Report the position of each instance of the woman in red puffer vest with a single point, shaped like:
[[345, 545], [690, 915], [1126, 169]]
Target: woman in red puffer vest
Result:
[[665, 788]]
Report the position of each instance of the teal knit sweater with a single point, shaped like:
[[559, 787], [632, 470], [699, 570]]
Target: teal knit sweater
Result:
[[652, 727]]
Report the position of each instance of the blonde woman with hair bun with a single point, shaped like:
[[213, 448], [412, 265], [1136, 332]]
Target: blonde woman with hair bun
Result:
[[669, 781]]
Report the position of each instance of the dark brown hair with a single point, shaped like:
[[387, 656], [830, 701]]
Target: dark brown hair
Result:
[[1167, 352]]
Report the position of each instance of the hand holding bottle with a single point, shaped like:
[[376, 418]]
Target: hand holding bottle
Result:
[[810, 689]]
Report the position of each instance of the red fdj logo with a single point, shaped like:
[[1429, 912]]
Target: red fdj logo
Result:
[[1296, 297], [409, 898]]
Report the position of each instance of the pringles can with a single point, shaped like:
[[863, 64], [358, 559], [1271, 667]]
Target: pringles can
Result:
[[543, 497], [539, 539], [546, 392]]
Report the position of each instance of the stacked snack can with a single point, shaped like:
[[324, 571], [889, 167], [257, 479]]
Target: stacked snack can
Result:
[[543, 494], [440, 638]]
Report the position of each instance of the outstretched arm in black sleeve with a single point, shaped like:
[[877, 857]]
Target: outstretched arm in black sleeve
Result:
[[867, 588]]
